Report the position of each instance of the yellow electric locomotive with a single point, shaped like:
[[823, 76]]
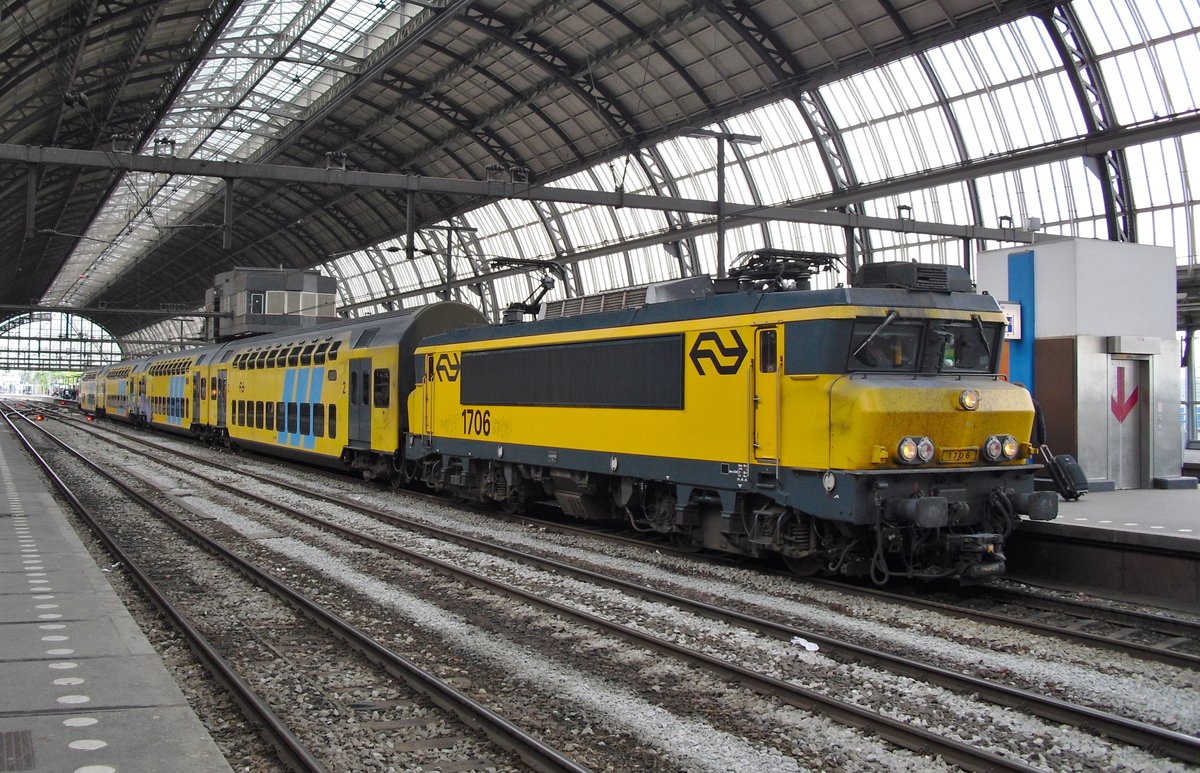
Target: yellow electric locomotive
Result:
[[860, 430]]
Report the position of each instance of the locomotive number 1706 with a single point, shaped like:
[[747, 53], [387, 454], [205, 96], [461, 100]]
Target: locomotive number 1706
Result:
[[476, 422]]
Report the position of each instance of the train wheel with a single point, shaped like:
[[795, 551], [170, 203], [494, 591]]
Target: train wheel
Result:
[[802, 567], [684, 543], [515, 503]]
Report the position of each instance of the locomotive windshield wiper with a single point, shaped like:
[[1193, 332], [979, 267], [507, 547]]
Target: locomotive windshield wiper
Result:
[[982, 335], [891, 317]]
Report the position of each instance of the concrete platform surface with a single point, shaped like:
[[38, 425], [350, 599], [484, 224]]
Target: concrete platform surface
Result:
[[81, 689], [1143, 514]]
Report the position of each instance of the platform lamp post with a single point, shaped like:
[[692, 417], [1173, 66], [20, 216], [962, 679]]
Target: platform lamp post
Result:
[[450, 231], [722, 138]]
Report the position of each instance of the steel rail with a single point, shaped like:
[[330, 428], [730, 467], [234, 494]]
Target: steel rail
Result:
[[538, 755], [898, 732], [292, 751], [1145, 651], [1179, 745]]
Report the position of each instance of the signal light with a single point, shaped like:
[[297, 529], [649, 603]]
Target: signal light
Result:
[[38, 417]]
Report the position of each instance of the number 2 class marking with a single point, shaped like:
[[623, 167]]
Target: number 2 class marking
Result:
[[476, 422]]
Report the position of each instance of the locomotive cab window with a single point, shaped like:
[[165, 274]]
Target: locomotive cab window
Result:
[[966, 347], [885, 345]]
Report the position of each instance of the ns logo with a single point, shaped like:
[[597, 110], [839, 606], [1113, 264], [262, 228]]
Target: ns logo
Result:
[[725, 358], [447, 367]]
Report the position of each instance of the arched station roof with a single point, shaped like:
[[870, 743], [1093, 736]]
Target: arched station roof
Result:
[[874, 120]]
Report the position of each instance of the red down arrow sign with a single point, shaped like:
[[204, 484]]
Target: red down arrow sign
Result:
[[1122, 405]]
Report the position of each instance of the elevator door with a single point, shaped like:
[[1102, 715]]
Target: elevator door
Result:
[[1128, 396]]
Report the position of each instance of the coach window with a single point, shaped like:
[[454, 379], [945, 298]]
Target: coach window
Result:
[[333, 350], [383, 387], [354, 387], [366, 388], [203, 388], [318, 420], [319, 354], [293, 418], [332, 420], [262, 359], [305, 418], [258, 414], [281, 417], [768, 357], [306, 355], [270, 416]]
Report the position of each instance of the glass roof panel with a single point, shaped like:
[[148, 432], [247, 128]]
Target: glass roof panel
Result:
[[273, 59]]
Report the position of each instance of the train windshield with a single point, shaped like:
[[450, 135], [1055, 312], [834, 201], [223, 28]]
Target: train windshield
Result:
[[967, 347], [885, 345], [896, 345]]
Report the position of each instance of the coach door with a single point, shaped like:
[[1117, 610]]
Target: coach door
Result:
[[360, 403], [766, 395], [197, 396], [222, 375]]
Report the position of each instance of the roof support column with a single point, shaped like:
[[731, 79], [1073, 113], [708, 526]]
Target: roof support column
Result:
[[1086, 78], [31, 185], [227, 229], [841, 174]]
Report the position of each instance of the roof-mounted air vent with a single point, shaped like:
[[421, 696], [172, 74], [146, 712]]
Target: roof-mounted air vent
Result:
[[914, 276]]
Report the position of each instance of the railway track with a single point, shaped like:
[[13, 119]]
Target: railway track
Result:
[[1178, 745], [466, 734]]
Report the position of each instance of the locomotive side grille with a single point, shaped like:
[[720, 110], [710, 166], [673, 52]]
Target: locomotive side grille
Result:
[[930, 277], [593, 304]]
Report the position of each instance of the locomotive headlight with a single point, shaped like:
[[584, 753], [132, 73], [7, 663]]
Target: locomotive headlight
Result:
[[915, 450], [969, 399], [1009, 447], [993, 448]]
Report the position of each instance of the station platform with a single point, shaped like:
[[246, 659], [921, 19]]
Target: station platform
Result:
[[1171, 513], [83, 690], [1138, 544]]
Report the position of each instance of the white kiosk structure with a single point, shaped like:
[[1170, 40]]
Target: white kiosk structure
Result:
[[1094, 340]]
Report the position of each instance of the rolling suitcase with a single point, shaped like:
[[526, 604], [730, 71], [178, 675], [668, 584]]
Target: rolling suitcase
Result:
[[1068, 476]]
